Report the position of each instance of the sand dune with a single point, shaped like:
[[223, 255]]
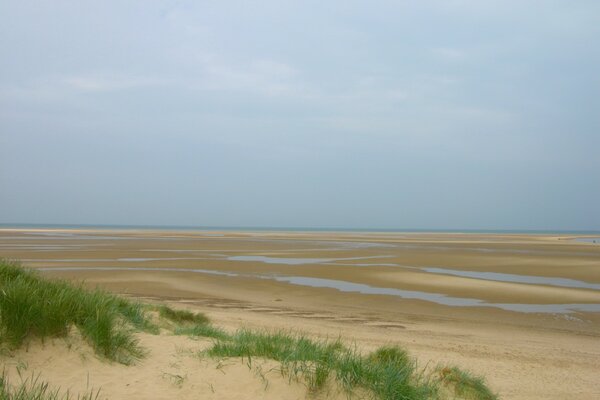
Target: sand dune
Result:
[[523, 355], [171, 370]]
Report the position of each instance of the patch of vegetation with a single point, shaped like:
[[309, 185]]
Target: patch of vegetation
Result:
[[387, 373], [34, 307], [465, 384], [187, 323], [182, 316], [201, 330], [32, 388]]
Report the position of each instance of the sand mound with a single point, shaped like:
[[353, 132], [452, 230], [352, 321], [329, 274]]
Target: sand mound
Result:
[[172, 369]]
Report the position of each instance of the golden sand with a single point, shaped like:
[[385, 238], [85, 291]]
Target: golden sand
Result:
[[523, 355]]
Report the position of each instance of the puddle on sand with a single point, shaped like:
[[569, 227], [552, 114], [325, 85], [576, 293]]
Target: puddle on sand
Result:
[[66, 260], [357, 245], [139, 259], [280, 260], [295, 260], [86, 236], [593, 240], [529, 279], [51, 234], [363, 265], [345, 286], [130, 259], [193, 270], [42, 247]]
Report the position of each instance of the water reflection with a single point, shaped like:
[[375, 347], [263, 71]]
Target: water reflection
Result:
[[438, 298], [594, 240], [296, 260], [497, 276], [345, 286]]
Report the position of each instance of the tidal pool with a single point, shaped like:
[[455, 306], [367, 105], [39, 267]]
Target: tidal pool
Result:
[[594, 240], [197, 271], [296, 260], [345, 286], [529, 279], [127, 259]]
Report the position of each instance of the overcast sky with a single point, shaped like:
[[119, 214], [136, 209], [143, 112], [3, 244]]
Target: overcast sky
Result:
[[386, 114]]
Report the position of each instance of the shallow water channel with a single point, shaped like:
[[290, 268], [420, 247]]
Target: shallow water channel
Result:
[[352, 287]]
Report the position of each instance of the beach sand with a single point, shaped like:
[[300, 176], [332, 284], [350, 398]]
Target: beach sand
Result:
[[242, 279]]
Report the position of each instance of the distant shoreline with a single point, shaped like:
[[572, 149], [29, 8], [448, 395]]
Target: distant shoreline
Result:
[[490, 303], [290, 229]]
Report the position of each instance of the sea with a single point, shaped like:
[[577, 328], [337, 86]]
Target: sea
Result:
[[293, 229]]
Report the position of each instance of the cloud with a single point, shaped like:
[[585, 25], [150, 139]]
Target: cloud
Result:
[[260, 76], [448, 53], [398, 94], [60, 90], [108, 82]]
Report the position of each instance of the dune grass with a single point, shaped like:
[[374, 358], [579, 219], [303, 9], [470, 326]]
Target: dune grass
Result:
[[201, 330], [184, 322], [34, 307], [32, 388], [465, 384], [182, 316], [387, 373]]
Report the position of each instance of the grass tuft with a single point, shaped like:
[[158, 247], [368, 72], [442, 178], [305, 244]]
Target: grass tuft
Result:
[[32, 388], [388, 373], [464, 384], [182, 316], [184, 322], [201, 330], [34, 307]]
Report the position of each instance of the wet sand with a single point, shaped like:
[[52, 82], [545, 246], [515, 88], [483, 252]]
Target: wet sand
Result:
[[548, 348]]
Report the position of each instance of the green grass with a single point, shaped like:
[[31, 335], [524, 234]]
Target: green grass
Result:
[[387, 373], [34, 307], [190, 324], [182, 316], [32, 388], [465, 384], [201, 330]]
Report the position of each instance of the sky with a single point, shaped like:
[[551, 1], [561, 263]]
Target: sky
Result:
[[344, 114]]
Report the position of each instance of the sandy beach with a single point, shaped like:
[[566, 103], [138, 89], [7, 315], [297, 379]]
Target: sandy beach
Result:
[[521, 309]]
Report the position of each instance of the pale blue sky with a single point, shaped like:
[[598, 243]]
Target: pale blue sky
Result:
[[388, 114]]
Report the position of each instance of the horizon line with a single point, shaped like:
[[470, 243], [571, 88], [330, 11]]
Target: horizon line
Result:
[[295, 228]]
